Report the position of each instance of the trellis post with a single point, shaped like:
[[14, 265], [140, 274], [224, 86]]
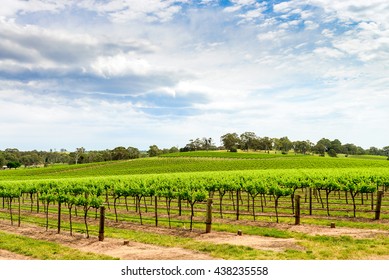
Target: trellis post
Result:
[[378, 205], [208, 221], [297, 210], [101, 224]]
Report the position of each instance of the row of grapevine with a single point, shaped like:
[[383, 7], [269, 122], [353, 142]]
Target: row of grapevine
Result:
[[191, 188]]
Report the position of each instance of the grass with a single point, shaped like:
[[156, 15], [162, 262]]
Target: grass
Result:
[[224, 154], [345, 247], [310, 246], [44, 250], [189, 165]]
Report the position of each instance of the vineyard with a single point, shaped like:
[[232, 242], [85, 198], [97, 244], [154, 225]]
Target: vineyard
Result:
[[193, 200], [180, 199]]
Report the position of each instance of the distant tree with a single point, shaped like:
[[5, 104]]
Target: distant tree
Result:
[[320, 149], [133, 152], [266, 143], [230, 141], [11, 155], [285, 144], [336, 145], [373, 151], [154, 151], [256, 144], [13, 164], [360, 151], [349, 149], [2, 160], [120, 153], [106, 155], [195, 145], [325, 142], [174, 150], [207, 143], [78, 154], [332, 153], [247, 140], [276, 144], [302, 147]]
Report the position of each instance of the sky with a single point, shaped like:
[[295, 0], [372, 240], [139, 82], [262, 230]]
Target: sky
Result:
[[100, 74]]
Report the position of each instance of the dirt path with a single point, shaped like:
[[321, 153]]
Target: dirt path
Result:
[[110, 246], [6, 255], [135, 250]]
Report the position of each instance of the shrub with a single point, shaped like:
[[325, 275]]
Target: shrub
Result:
[[332, 153]]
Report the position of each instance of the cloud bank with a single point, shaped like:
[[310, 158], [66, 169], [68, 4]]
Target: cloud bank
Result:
[[100, 74]]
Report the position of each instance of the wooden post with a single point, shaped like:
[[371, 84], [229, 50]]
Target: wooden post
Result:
[[101, 225], [59, 217], [297, 210], [237, 205], [179, 206], [378, 205], [208, 222], [19, 213], [156, 210], [310, 201]]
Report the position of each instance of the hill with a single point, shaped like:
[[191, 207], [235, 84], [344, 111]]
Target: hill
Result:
[[192, 162]]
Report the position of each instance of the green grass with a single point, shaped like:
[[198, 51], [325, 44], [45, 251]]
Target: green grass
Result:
[[373, 157], [224, 154], [189, 165], [311, 246], [44, 250]]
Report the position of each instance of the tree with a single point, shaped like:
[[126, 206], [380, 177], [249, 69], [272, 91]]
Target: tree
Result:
[[320, 149], [285, 144], [154, 151], [78, 153], [230, 141], [120, 153], [386, 150], [2, 159], [13, 164], [332, 153], [133, 152], [174, 150], [325, 142], [207, 143], [349, 149], [336, 145], [266, 143], [302, 147], [247, 140]]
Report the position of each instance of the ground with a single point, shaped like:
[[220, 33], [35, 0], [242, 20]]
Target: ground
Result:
[[128, 250]]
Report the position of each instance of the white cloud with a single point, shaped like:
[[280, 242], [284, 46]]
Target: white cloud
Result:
[[329, 52], [129, 10], [283, 7], [310, 25], [119, 65], [156, 72], [360, 10]]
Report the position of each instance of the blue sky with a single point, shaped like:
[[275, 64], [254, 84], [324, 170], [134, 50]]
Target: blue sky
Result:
[[102, 74]]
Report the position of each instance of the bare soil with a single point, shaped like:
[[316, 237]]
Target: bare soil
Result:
[[6, 255], [128, 250]]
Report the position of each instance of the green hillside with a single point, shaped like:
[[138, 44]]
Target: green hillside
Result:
[[177, 164]]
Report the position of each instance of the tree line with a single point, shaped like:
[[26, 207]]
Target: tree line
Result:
[[13, 158], [247, 141]]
